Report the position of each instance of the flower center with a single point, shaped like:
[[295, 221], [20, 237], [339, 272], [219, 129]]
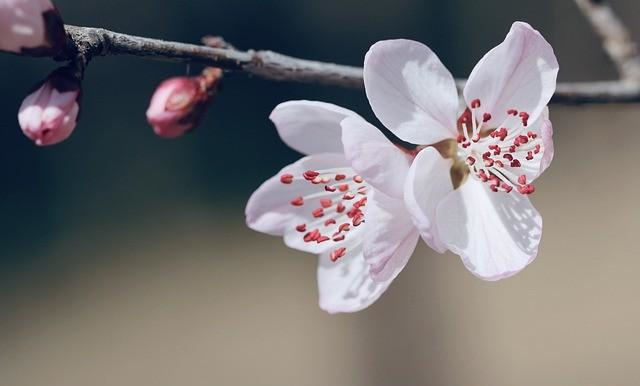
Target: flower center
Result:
[[336, 207], [498, 156]]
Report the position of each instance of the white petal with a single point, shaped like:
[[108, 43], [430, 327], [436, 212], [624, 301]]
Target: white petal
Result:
[[411, 91], [495, 234], [374, 157], [270, 209], [345, 285], [390, 237], [428, 183], [520, 73], [310, 127]]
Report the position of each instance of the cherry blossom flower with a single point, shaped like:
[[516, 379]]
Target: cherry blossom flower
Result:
[[467, 188], [319, 204], [49, 114], [179, 103], [32, 26]]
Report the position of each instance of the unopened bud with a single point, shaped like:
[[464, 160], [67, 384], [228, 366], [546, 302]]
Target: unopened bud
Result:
[[48, 115], [32, 27], [179, 104]]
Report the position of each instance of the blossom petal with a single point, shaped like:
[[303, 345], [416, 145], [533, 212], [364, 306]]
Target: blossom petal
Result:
[[427, 184], [345, 285], [495, 234], [410, 91], [380, 162], [546, 131], [271, 208], [310, 127], [390, 237], [520, 73]]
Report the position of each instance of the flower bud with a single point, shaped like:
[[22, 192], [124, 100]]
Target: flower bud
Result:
[[33, 27], [179, 104], [48, 115]]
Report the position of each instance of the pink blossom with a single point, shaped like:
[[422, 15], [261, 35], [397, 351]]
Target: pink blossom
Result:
[[179, 103], [33, 26], [467, 189], [48, 115], [321, 205]]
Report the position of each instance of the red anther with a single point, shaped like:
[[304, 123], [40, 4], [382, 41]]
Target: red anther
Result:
[[537, 149], [338, 253], [488, 162], [353, 212], [298, 201], [325, 202], [344, 227], [318, 212], [483, 176], [360, 202], [507, 188], [522, 180], [527, 189], [529, 156], [520, 140], [286, 178], [499, 164], [329, 222], [348, 196], [340, 177], [486, 155], [486, 117], [513, 112], [502, 133], [461, 138], [310, 175], [524, 115], [494, 188], [317, 180], [338, 237], [466, 145], [515, 163], [476, 138], [508, 157], [330, 188], [340, 207], [494, 181], [358, 179], [322, 239], [475, 103], [532, 135], [343, 187], [301, 227], [512, 149], [357, 220], [311, 236], [470, 160]]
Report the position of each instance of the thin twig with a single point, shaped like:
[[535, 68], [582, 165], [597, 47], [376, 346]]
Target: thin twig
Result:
[[615, 36], [90, 42]]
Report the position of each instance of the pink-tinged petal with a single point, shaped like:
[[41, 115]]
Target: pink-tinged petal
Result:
[[21, 25], [310, 127], [390, 237], [428, 183], [495, 234], [374, 157], [410, 91], [345, 285], [520, 73], [546, 130]]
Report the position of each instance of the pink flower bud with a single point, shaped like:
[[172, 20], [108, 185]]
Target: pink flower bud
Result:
[[179, 104], [48, 115], [31, 26]]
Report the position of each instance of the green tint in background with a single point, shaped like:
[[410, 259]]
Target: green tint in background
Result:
[[124, 258]]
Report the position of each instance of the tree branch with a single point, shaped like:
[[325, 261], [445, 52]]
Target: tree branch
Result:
[[615, 36], [86, 43]]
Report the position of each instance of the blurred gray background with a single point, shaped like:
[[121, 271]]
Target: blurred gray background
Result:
[[124, 259]]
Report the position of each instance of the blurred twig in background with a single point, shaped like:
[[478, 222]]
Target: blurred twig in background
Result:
[[87, 42]]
